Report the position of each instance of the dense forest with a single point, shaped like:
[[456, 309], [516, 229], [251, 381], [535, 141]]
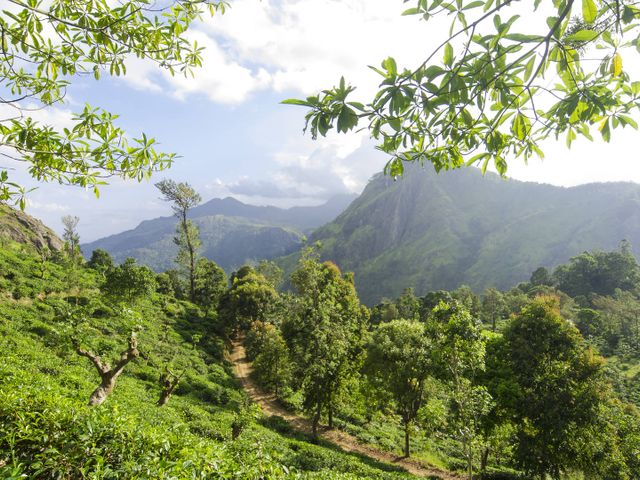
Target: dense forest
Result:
[[116, 371]]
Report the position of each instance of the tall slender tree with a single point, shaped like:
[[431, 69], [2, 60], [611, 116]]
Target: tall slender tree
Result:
[[560, 390], [398, 364], [71, 236], [183, 198], [325, 334]]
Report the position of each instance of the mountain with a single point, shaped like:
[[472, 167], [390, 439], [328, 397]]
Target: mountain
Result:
[[437, 231], [232, 233], [19, 227]]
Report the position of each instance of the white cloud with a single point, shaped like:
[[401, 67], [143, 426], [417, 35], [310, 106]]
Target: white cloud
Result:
[[221, 79], [308, 44], [48, 207], [309, 172], [300, 45]]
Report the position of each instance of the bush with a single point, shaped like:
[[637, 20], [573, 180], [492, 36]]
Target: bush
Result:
[[129, 281]]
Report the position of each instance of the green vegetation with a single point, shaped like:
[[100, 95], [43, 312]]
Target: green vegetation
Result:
[[503, 385], [112, 372], [47, 430], [483, 96], [434, 231]]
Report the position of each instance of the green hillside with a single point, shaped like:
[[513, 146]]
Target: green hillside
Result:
[[430, 231], [48, 431]]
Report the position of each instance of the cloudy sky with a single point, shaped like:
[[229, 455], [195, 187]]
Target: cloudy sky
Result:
[[235, 138]]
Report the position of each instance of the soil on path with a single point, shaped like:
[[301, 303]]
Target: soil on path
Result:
[[346, 442]]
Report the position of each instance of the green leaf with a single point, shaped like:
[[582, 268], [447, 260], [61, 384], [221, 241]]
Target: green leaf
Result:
[[295, 101], [616, 65], [389, 64], [528, 69], [448, 55], [589, 11], [476, 4], [522, 38], [411, 11], [582, 36], [347, 119]]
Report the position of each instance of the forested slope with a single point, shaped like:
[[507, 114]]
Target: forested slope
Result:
[[60, 319], [437, 231]]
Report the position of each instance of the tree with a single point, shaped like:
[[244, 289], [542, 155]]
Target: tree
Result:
[[385, 312], [271, 357], [71, 237], [211, 283], [598, 272], [109, 375], [325, 333], [458, 353], [467, 298], [399, 363], [618, 321], [483, 94], [493, 307], [408, 305], [183, 198], [271, 271], [129, 281], [46, 44], [560, 390], [498, 425], [176, 283], [168, 381], [250, 297], [100, 261], [431, 300], [541, 277]]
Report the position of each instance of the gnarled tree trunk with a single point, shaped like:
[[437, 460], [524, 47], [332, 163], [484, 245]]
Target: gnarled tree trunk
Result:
[[107, 374], [168, 381]]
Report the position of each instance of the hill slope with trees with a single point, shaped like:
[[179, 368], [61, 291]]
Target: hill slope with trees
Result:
[[431, 232], [107, 372]]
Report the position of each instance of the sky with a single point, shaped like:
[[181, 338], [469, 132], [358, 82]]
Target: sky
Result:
[[235, 138]]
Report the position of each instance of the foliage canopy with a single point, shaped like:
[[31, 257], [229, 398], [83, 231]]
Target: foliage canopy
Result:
[[45, 45], [506, 77]]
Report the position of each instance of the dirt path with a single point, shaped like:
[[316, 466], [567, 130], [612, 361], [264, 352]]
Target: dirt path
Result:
[[346, 442]]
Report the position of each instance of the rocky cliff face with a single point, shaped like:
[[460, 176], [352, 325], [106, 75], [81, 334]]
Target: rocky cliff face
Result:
[[19, 227], [431, 232]]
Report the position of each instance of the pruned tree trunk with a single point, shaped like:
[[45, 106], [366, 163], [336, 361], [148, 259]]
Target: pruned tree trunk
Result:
[[107, 374], [316, 420], [169, 382], [406, 439], [484, 460]]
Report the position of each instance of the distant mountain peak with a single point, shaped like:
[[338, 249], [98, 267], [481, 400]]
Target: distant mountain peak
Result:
[[232, 232]]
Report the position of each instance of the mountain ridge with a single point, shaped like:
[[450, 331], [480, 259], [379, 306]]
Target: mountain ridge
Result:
[[232, 233], [437, 231]]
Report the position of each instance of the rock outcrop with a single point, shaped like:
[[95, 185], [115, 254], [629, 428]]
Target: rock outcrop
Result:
[[19, 227]]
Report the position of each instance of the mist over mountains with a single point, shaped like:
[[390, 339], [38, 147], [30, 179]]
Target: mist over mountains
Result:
[[232, 233]]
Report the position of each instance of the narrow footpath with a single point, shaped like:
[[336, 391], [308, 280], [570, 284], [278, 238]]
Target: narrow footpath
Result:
[[346, 442]]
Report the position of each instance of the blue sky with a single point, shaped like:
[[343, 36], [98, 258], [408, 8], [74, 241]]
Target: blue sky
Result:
[[234, 136]]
